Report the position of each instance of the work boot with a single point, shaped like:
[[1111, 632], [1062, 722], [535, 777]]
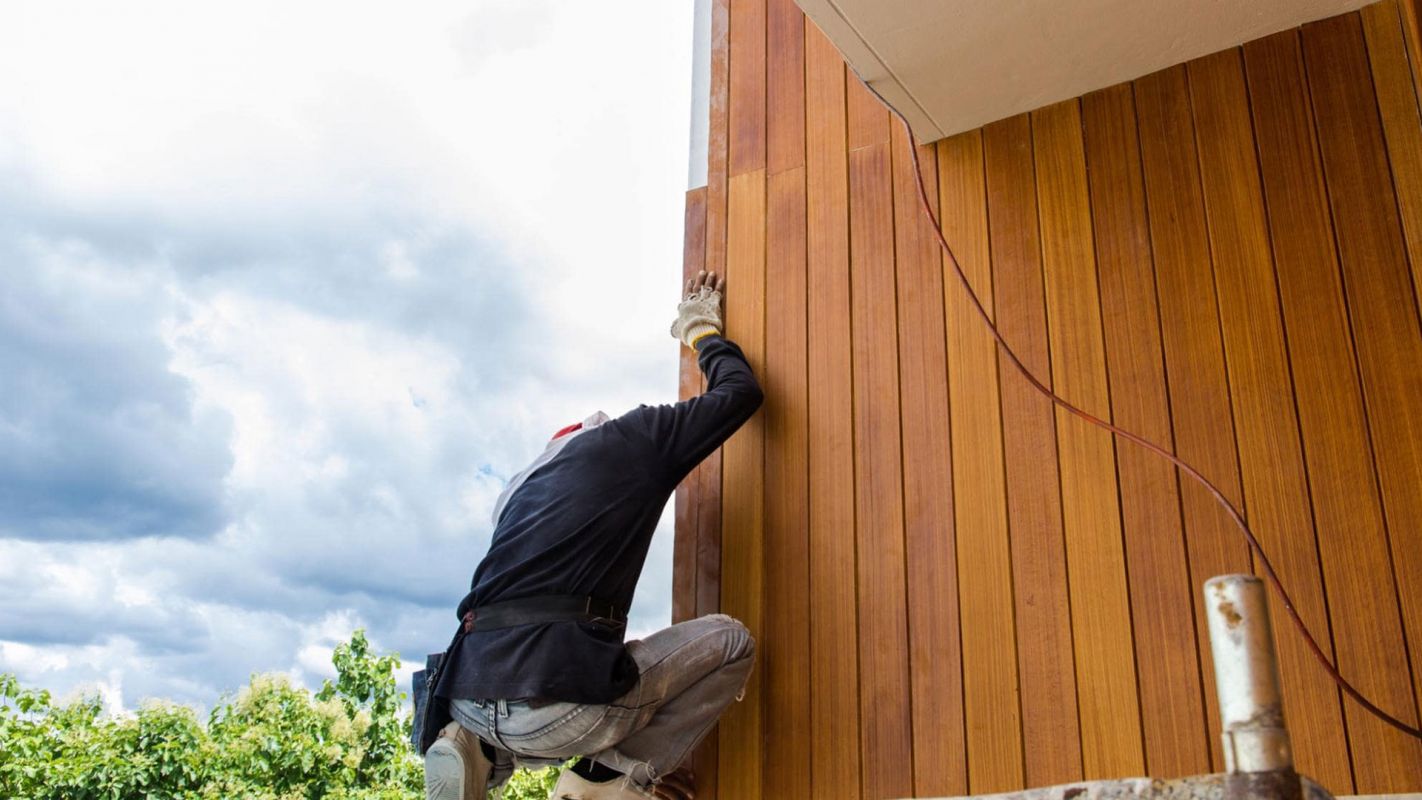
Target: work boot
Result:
[[455, 766], [572, 786]]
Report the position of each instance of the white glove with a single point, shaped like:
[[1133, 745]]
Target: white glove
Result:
[[698, 316]]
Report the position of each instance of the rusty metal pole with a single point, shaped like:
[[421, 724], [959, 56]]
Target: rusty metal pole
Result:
[[1259, 763]]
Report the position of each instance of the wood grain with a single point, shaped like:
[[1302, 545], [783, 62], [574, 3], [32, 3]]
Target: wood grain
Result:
[[885, 733], [868, 119], [689, 385], [785, 86], [747, 120], [990, 689], [1172, 701], [743, 482], [708, 542], [1201, 418], [718, 152], [1402, 127], [1271, 464], [1353, 544], [1029, 436], [1412, 29], [1389, 348], [939, 749], [1101, 620], [834, 663], [1403, 130], [955, 587], [786, 643]]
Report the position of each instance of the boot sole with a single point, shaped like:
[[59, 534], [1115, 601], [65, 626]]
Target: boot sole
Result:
[[444, 772]]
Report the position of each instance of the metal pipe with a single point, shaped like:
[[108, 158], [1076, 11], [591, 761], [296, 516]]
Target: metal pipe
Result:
[[1258, 759]]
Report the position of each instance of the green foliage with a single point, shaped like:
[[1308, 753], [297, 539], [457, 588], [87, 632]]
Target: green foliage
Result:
[[528, 785], [269, 741], [364, 684]]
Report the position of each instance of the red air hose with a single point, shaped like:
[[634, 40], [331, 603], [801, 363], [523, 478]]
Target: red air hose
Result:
[[1234, 513]]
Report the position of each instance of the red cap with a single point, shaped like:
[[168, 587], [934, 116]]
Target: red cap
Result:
[[576, 426]]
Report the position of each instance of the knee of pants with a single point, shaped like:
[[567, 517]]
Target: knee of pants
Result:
[[736, 638]]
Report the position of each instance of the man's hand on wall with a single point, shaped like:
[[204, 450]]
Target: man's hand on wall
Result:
[[717, 283], [699, 313]]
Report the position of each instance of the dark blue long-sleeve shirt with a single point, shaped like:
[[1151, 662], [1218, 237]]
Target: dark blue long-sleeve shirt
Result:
[[581, 525]]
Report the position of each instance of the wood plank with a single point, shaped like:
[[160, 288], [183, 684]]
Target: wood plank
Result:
[[1403, 130], [1369, 235], [1412, 29], [742, 543], [708, 525], [747, 90], [706, 759], [786, 644], [1271, 464], [834, 665], [990, 689], [689, 385], [1044, 645], [1353, 543], [743, 482], [1172, 701], [939, 749], [708, 581], [868, 118], [885, 735], [1101, 620], [708, 542], [1201, 418], [718, 152], [785, 86], [708, 539]]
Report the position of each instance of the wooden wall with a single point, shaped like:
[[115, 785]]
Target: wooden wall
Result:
[[958, 589]]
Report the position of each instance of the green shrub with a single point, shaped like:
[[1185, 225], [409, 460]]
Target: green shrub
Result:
[[269, 741]]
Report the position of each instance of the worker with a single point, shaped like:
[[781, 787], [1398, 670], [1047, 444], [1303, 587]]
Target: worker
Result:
[[539, 671]]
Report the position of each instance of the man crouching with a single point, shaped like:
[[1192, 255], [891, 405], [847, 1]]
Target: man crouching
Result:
[[539, 672]]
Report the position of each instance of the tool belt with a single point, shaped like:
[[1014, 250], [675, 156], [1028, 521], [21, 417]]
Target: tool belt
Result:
[[547, 608], [432, 711]]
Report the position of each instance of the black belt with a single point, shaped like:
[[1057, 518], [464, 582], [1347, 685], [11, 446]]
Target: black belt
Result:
[[547, 608]]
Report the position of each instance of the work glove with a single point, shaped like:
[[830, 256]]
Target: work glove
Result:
[[697, 316]]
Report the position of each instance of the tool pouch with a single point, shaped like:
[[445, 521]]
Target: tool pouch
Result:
[[431, 711], [428, 708]]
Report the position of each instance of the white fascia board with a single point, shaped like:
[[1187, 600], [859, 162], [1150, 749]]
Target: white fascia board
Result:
[[866, 63], [955, 65]]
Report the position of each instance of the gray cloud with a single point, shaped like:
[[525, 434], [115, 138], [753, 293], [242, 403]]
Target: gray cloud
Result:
[[262, 374], [98, 439], [108, 343]]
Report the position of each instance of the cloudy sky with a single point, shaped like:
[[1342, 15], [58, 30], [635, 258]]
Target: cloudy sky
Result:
[[287, 290]]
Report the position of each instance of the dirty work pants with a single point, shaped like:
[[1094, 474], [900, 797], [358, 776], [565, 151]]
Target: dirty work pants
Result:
[[690, 673]]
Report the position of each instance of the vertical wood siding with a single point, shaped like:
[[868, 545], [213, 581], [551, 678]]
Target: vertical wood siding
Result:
[[957, 588], [785, 639], [1045, 656], [834, 619], [986, 625]]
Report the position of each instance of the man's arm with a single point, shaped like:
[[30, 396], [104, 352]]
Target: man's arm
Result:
[[683, 434]]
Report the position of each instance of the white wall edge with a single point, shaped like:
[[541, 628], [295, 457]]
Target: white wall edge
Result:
[[700, 95]]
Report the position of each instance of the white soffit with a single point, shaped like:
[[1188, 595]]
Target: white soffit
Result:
[[955, 65]]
